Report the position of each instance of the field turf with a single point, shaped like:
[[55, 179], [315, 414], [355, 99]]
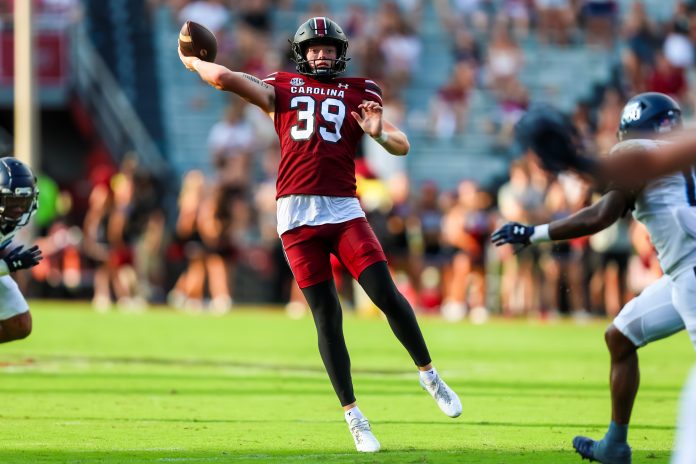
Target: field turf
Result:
[[165, 387]]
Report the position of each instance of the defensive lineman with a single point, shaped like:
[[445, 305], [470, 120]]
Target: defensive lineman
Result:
[[665, 207], [18, 202]]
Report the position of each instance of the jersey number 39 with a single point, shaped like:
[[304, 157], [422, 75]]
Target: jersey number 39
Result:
[[333, 112]]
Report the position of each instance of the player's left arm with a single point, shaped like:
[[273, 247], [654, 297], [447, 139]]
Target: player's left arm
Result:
[[382, 131]]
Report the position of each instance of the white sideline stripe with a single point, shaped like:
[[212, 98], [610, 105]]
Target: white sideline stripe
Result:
[[371, 81], [269, 79]]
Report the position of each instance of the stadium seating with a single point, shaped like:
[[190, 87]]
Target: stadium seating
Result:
[[563, 75]]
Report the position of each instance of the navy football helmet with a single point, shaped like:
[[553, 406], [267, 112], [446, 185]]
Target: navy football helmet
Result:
[[648, 114], [319, 30], [18, 192]]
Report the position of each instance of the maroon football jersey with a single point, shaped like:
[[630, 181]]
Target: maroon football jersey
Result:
[[318, 135]]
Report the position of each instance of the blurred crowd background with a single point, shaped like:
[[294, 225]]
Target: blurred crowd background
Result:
[[159, 190]]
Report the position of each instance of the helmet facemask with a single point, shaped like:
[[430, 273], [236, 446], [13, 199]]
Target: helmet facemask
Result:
[[319, 30], [309, 68], [17, 207]]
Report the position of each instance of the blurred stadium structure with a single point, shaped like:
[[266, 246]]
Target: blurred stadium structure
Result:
[[192, 172]]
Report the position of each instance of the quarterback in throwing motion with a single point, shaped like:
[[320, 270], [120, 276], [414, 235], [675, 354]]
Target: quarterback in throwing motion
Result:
[[18, 201], [320, 119]]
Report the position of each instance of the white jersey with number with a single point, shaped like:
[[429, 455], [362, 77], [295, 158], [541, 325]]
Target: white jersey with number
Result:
[[667, 208]]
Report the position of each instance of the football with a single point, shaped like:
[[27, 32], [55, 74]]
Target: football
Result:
[[197, 40]]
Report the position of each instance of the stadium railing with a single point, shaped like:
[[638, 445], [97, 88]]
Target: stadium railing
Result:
[[114, 116]]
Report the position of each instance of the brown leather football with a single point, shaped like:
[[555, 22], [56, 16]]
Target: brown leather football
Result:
[[197, 40]]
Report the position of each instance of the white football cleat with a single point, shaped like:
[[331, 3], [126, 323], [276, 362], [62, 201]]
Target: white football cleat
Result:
[[365, 441], [444, 396]]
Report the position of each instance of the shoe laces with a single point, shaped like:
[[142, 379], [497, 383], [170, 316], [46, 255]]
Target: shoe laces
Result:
[[441, 390], [358, 427]]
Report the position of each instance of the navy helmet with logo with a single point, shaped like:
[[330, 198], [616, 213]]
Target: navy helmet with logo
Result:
[[648, 114], [324, 31], [18, 192]]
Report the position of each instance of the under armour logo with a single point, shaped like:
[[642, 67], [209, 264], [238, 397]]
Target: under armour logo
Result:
[[16, 263], [518, 230], [342, 86]]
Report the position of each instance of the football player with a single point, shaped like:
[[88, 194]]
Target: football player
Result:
[[18, 202], [665, 206], [320, 119]]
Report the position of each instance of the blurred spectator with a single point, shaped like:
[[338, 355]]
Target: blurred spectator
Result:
[[642, 41], [244, 53], [231, 142], [608, 118], [399, 44], [122, 230], [562, 285], [216, 225], [472, 14], [60, 274], [256, 13], [187, 292], [96, 244], [511, 105], [466, 48], [505, 59], [149, 248], [556, 21], [600, 19], [519, 201], [212, 14], [373, 62], [677, 48], [315, 9], [401, 230], [517, 14], [612, 250], [643, 267], [465, 230], [449, 108], [584, 123], [667, 78]]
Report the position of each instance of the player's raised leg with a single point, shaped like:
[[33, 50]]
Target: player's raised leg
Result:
[[379, 286], [650, 316]]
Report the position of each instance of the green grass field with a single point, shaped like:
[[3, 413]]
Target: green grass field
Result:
[[250, 387]]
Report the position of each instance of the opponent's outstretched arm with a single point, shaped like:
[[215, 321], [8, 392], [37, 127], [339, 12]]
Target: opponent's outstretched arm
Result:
[[586, 221], [637, 166], [382, 131], [248, 87]]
